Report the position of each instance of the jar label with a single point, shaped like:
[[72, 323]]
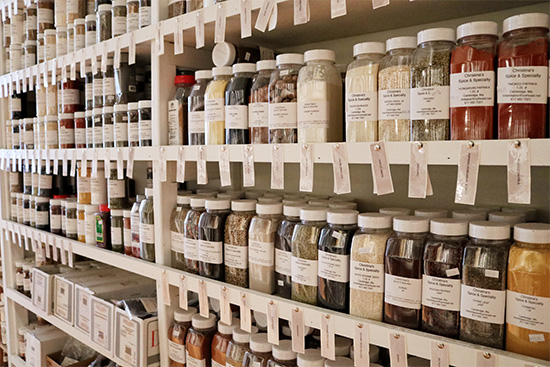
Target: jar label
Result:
[[51, 138], [66, 135], [261, 253], [127, 237], [430, 103], [214, 109], [258, 114], [116, 236], [473, 89], [144, 16], [28, 137], [529, 312], [403, 292], [98, 88], [45, 182], [216, 364], [333, 267], [176, 242], [83, 185], [132, 22], [441, 293], [313, 114], [19, 279], [236, 117], [81, 230], [175, 122], [80, 136], [45, 15], [31, 22], [236, 256], [27, 179], [71, 97], [99, 189], [176, 352], [394, 104], [283, 115], [522, 84], [133, 132], [362, 106], [211, 252], [116, 189], [147, 233], [121, 132], [196, 122], [118, 25], [27, 284], [485, 305], [193, 362], [283, 262], [90, 229], [145, 130], [367, 277], [15, 104], [191, 249], [72, 226], [108, 87], [55, 221], [79, 41], [304, 271], [42, 218]]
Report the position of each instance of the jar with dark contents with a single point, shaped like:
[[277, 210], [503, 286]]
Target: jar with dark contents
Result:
[[119, 18], [71, 96], [117, 230], [403, 268], [147, 227], [177, 219], [211, 237], [103, 227], [28, 133], [64, 218], [108, 127], [89, 88], [6, 33], [125, 81], [109, 84], [15, 105], [42, 216], [45, 184], [145, 117], [20, 208], [19, 276], [81, 222], [70, 38], [127, 232], [79, 34], [32, 211], [66, 131], [45, 15], [31, 22], [13, 206], [98, 88], [198, 341], [176, 8], [72, 220], [191, 234], [116, 190], [195, 122], [133, 124], [104, 23], [237, 97], [89, 129], [26, 210], [177, 334], [260, 351], [15, 134], [441, 277], [98, 127], [258, 108], [132, 15], [144, 13], [80, 129], [120, 122], [283, 126], [55, 216]]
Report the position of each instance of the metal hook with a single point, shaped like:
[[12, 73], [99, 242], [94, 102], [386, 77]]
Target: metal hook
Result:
[[396, 336], [471, 144], [517, 144], [487, 355], [440, 345], [420, 145], [377, 147]]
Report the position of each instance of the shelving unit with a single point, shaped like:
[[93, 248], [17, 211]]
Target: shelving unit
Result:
[[361, 23]]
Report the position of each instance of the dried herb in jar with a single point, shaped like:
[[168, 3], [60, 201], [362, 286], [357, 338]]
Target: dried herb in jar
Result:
[[211, 236], [236, 242], [237, 96], [258, 112], [191, 234]]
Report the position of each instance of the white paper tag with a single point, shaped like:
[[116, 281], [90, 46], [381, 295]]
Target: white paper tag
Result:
[[178, 37], [340, 169], [486, 359], [264, 15], [418, 171], [338, 8], [468, 168], [277, 167], [244, 303], [519, 172], [246, 18], [225, 306], [131, 49], [107, 165], [180, 168], [119, 164], [162, 167], [94, 163], [64, 164], [381, 173], [327, 337], [203, 299], [183, 297], [273, 322], [439, 355], [165, 287], [53, 245], [70, 254], [160, 38], [199, 30], [361, 345], [249, 179], [130, 165], [55, 158], [202, 175], [398, 350], [306, 167], [73, 163], [62, 251], [82, 62], [116, 59], [219, 30], [83, 164], [301, 12], [224, 166]]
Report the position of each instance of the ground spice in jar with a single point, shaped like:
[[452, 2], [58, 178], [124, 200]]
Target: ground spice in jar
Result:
[[91, 32], [236, 242], [177, 219], [177, 110], [81, 222], [221, 341], [258, 110], [66, 131], [176, 8], [283, 250], [147, 227], [127, 232], [260, 351], [104, 23], [79, 34], [133, 124], [132, 15], [199, 340], [214, 114], [177, 334], [191, 234], [80, 129], [238, 346], [237, 97], [119, 18], [144, 13], [211, 236], [108, 127], [55, 216]]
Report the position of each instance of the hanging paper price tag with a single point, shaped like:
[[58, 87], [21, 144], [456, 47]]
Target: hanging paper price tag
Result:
[[160, 38], [119, 164], [62, 251], [301, 12], [277, 167], [273, 322], [381, 169], [199, 30], [264, 15], [439, 355], [219, 30], [246, 18], [83, 164], [47, 247], [55, 163], [131, 49], [418, 170], [55, 251], [203, 299], [70, 254], [486, 359], [73, 163], [107, 164], [202, 177], [519, 172], [225, 306], [327, 337], [340, 168], [165, 287], [468, 168], [178, 37], [224, 166], [180, 167], [297, 331], [130, 165], [116, 59], [380, 3], [162, 167], [398, 350], [306, 167], [65, 163], [183, 297], [361, 345], [249, 176], [246, 322]]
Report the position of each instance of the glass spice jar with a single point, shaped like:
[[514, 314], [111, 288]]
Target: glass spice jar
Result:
[[191, 234], [42, 215], [199, 340], [177, 230], [66, 131], [119, 18], [45, 183], [221, 340], [104, 23], [26, 210], [19, 208], [103, 227], [237, 97], [283, 355], [70, 38], [72, 220], [98, 88], [32, 212], [211, 236], [13, 206], [196, 122], [89, 88], [79, 34], [50, 51], [15, 134], [283, 250], [120, 122], [108, 127], [6, 32], [89, 128], [133, 124], [98, 127], [214, 114], [177, 110], [441, 276], [145, 125], [260, 351], [125, 81], [258, 115], [29, 53], [127, 232], [81, 222], [61, 40], [89, 219], [99, 185], [31, 22], [238, 346], [109, 91], [117, 228], [40, 53], [55, 216], [45, 15], [147, 227], [80, 129], [177, 334], [75, 9], [135, 226], [176, 8], [91, 32], [132, 15], [116, 190], [144, 13], [236, 242], [28, 133]]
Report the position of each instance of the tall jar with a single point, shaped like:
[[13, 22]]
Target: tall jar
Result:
[[403, 270], [133, 124], [199, 340], [483, 292], [362, 92], [118, 21], [132, 15], [236, 242], [305, 254], [127, 232], [237, 97], [261, 243], [89, 128], [283, 97], [42, 213], [441, 277], [98, 127], [144, 13], [81, 222], [50, 51], [109, 90], [394, 86], [195, 105], [89, 219], [221, 341], [125, 81], [28, 133], [283, 356], [211, 236], [117, 230], [430, 79], [238, 346], [98, 88], [473, 81], [120, 122], [283, 250], [135, 226], [529, 291], [80, 129], [55, 217], [145, 123], [319, 98], [116, 191], [258, 111], [83, 185], [177, 110], [31, 22], [177, 335], [191, 234], [91, 31], [79, 34], [61, 40], [147, 227], [66, 130], [177, 231], [521, 101], [334, 250], [70, 38], [260, 351], [108, 127], [103, 23], [214, 113]]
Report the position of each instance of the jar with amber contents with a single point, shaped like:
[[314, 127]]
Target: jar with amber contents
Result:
[[177, 334], [221, 341], [237, 348], [81, 222], [199, 340]]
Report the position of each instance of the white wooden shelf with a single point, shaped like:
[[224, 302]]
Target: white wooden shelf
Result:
[[17, 361]]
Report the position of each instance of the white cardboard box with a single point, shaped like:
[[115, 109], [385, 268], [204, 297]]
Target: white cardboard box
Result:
[[42, 342], [42, 287], [136, 340]]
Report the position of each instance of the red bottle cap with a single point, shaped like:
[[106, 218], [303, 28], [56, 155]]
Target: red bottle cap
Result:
[[60, 196], [104, 208], [187, 79]]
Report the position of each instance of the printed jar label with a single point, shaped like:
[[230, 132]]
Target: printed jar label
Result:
[[283, 262], [304, 271], [190, 249], [45, 182], [211, 252], [116, 189], [362, 107], [175, 122], [529, 312], [193, 362], [42, 218], [236, 117], [108, 87], [430, 103], [473, 89], [333, 267], [71, 96], [214, 109], [522, 84], [481, 304], [261, 253], [367, 277], [176, 352], [121, 131], [66, 135], [133, 132], [441, 293], [283, 115], [176, 243], [236, 256], [314, 114], [80, 136], [119, 26], [216, 364], [116, 236], [145, 130], [98, 88], [258, 114], [147, 233], [403, 292], [196, 122], [108, 133]]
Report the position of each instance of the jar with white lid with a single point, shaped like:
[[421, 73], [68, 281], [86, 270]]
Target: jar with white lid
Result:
[[283, 249], [98, 127], [319, 98], [79, 34], [98, 185], [237, 97], [311, 358], [199, 339], [191, 234], [108, 127], [120, 122], [103, 23], [214, 102], [395, 212], [362, 92], [431, 213], [258, 113], [211, 237], [238, 346], [29, 51], [145, 124], [89, 128], [132, 15], [470, 215], [89, 223], [530, 213], [144, 13], [195, 122], [119, 18], [403, 269], [61, 41], [282, 355], [177, 219], [483, 293], [260, 351], [339, 362], [441, 276]]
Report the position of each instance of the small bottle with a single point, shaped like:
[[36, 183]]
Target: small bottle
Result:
[[199, 340], [104, 23], [91, 33], [144, 13], [132, 15], [177, 334], [55, 216], [211, 236], [103, 227], [72, 220], [195, 121], [283, 355], [260, 351], [118, 21], [117, 230], [177, 110], [147, 227], [120, 122], [221, 341], [238, 346], [145, 125]]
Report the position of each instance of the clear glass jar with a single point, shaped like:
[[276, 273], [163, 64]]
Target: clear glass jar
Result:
[[26, 210], [132, 15], [133, 124], [238, 346], [29, 53], [66, 131], [28, 133], [72, 220], [91, 32], [45, 15], [32, 211], [147, 227], [177, 334], [42, 215], [79, 34], [19, 208], [89, 129], [108, 127], [311, 358], [103, 227], [104, 23], [50, 51], [125, 81], [99, 186], [98, 87], [441, 276], [117, 230], [191, 234], [236, 242], [192, 5], [177, 230], [176, 8], [403, 268], [61, 40], [362, 92], [221, 341], [283, 250], [258, 111], [237, 97], [211, 236], [15, 134], [55, 216], [89, 219], [81, 222], [145, 125], [430, 76], [89, 88], [127, 232], [135, 226], [483, 290], [116, 190], [31, 22], [283, 356], [177, 110], [109, 90], [13, 206], [45, 183], [195, 122], [75, 9], [260, 351], [214, 114], [119, 18], [120, 122], [98, 127], [319, 98], [199, 340], [144, 13], [70, 38]]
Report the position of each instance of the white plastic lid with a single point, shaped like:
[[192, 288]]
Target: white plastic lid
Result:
[[449, 227], [530, 213], [432, 213], [489, 230], [244, 205], [510, 218], [79, 21], [260, 319], [245, 67], [486, 209], [223, 54], [144, 104], [265, 65], [532, 233], [241, 336], [435, 34], [62, 28], [342, 205], [200, 322], [292, 210], [228, 329], [104, 7], [70, 204], [291, 201], [149, 191], [120, 108], [342, 216], [314, 55], [198, 202], [108, 109], [127, 213], [183, 315], [411, 224], [66, 116], [342, 346], [282, 59], [221, 70], [133, 106], [40, 199], [183, 199], [395, 211], [203, 74], [470, 215], [259, 343], [90, 17], [400, 42], [217, 204], [311, 358], [339, 362], [529, 20], [90, 113], [477, 28], [120, 2], [315, 213], [283, 351], [368, 48], [374, 220], [269, 208]]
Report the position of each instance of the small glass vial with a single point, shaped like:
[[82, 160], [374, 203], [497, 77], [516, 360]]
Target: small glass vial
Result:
[[196, 123], [108, 127], [211, 237], [72, 220], [133, 124], [119, 18], [147, 227], [120, 122], [98, 88], [117, 230], [103, 227], [132, 15], [144, 13], [145, 125], [89, 128], [214, 114], [79, 34], [177, 219], [260, 351], [311, 358], [104, 23], [127, 232], [80, 129], [66, 131], [237, 97], [109, 90], [91, 33], [98, 127], [177, 334], [28, 133]]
